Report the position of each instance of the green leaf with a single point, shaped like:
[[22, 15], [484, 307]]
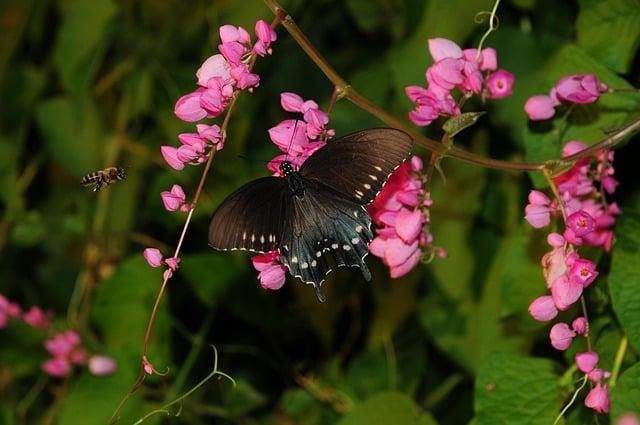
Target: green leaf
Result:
[[210, 274], [587, 122], [386, 408], [122, 307], [458, 123], [71, 131], [512, 389], [625, 396], [80, 42], [624, 278], [92, 399], [599, 22]]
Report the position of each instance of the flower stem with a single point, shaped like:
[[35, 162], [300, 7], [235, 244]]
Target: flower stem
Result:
[[622, 349]]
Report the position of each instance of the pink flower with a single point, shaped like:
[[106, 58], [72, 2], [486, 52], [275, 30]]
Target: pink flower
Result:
[[188, 107], [446, 74], [499, 84], [8, 309], [583, 271], [409, 224], [230, 33], [561, 336], [487, 61], [580, 325], [266, 35], [57, 367], [628, 419], [290, 136], [441, 48], [597, 375], [587, 361], [102, 365], [62, 344], [173, 263], [543, 308], [175, 199], [37, 318], [170, 154], [538, 212], [272, 272], [581, 223], [153, 257], [244, 78], [565, 292], [554, 265], [540, 107], [580, 88], [291, 102], [598, 399], [214, 66]]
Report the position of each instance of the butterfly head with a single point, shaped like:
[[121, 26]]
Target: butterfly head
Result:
[[286, 168]]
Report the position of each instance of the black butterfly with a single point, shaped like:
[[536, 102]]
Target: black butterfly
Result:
[[318, 209]]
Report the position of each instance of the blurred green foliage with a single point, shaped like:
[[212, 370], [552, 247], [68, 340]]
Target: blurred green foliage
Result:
[[90, 84]]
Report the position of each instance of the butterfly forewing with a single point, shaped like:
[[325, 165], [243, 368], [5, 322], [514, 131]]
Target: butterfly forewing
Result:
[[358, 165], [251, 218]]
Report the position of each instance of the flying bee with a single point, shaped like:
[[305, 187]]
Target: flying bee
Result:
[[104, 177]]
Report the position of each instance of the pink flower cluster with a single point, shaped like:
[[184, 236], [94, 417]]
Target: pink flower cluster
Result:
[[65, 347], [221, 74], [579, 89], [298, 139], [456, 68], [219, 78], [155, 259], [66, 350], [588, 220], [34, 317], [402, 212]]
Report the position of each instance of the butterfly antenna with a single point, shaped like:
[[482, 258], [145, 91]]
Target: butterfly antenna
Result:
[[319, 293], [293, 134]]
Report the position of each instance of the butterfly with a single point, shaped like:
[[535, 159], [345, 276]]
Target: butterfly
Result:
[[317, 209]]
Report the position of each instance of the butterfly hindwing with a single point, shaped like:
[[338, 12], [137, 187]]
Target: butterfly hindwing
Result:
[[324, 221], [252, 217], [358, 165]]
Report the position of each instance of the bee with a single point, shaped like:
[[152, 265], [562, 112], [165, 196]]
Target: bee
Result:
[[104, 177]]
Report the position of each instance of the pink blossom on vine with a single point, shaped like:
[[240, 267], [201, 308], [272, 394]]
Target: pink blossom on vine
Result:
[[580, 88], [543, 308], [173, 263], [214, 66], [587, 361], [597, 375], [538, 211], [271, 271], [170, 155], [628, 419], [188, 107], [8, 310], [454, 68], [153, 257], [292, 102], [598, 399], [102, 365], [499, 84], [579, 325], [37, 318], [561, 336], [565, 292], [583, 271], [175, 199], [540, 107], [401, 211], [66, 350], [266, 35]]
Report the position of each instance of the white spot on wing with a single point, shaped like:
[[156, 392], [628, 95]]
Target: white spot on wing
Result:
[[244, 236], [253, 238], [313, 263], [334, 246], [377, 167], [367, 186], [355, 241], [304, 265], [358, 228], [294, 259], [261, 238], [319, 254], [374, 178], [346, 247]]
